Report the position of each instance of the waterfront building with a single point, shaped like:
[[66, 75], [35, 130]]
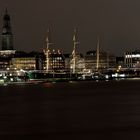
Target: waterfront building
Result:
[[67, 62], [56, 61], [105, 60], [25, 63], [132, 59], [79, 64], [96, 60], [28, 61], [5, 58]]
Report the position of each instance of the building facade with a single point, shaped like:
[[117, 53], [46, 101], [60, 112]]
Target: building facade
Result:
[[55, 61], [28, 61], [132, 59], [105, 60], [79, 63]]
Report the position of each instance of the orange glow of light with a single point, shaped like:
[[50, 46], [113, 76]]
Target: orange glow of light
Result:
[[48, 85]]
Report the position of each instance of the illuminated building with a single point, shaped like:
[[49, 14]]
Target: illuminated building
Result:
[[5, 58], [132, 59], [28, 61], [96, 60], [105, 60], [79, 64], [67, 62], [56, 61]]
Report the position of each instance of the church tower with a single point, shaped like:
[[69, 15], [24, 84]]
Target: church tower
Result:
[[7, 36]]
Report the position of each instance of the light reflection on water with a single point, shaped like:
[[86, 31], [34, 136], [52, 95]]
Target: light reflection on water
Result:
[[71, 110], [48, 85], [133, 79], [51, 84]]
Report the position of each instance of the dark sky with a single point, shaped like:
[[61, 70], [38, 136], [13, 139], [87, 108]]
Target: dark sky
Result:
[[117, 22]]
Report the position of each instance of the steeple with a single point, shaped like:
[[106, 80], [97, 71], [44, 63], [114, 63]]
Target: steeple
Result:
[[7, 36]]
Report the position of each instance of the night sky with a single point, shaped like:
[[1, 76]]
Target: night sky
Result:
[[117, 22]]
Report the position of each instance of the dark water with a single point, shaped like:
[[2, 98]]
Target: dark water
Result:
[[77, 110]]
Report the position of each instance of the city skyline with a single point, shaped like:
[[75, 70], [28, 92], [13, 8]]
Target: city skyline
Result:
[[117, 24]]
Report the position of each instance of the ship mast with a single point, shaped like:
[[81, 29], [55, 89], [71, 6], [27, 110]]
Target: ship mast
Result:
[[74, 51], [107, 60], [47, 51], [97, 53]]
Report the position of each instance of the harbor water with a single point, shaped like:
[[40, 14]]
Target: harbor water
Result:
[[71, 110]]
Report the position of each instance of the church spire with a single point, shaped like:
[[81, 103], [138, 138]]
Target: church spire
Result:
[[7, 36]]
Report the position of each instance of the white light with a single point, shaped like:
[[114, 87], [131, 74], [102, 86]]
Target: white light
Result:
[[22, 70], [1, 81], [122, 75], [115, 75], [106, 76], [11, 79], [133, 56], [118, 75]]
